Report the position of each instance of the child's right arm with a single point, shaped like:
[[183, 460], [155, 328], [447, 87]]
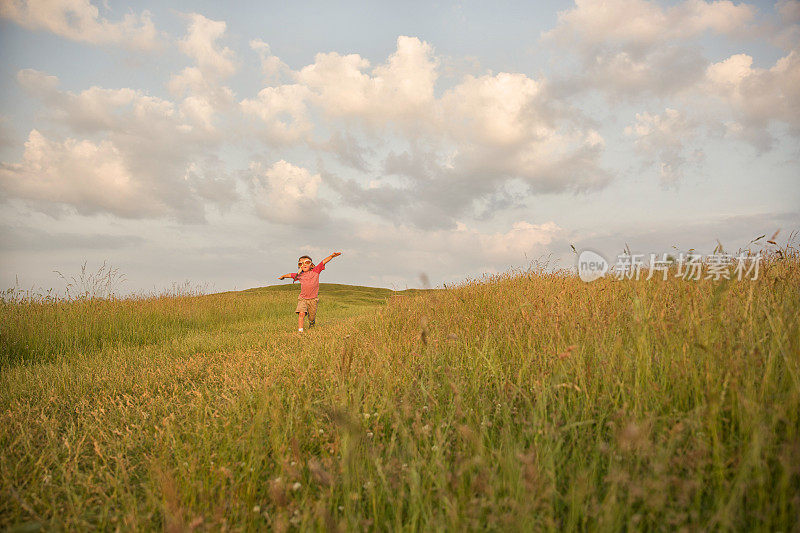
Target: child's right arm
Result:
[[292, 275]]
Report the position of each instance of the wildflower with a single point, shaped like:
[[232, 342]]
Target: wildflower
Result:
[[256, 509], [296, 486]]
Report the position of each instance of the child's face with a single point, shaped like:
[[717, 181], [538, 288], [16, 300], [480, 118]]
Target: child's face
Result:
[[304, 264]]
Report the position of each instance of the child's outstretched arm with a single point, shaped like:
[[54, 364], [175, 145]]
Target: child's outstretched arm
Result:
[[292, 275], [334, 254]]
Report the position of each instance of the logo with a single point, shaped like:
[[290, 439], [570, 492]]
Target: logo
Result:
[[591, 266]]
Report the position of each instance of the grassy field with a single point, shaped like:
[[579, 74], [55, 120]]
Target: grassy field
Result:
[[527, 401]]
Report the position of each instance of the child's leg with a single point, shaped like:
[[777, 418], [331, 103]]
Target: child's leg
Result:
[[300, 317], [312, 312]]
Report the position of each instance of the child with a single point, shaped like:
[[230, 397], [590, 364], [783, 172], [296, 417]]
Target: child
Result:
[[308, 274]]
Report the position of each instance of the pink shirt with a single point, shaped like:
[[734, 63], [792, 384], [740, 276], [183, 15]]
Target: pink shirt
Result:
[[309, 281]]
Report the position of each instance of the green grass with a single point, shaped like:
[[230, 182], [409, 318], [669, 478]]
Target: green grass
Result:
[[529, 401], [45, 330]]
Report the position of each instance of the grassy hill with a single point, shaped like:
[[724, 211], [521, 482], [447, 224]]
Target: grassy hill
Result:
[[46, 330], [526, 401]]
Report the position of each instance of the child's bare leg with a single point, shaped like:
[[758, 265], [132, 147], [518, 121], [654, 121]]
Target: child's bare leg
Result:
[[300, 317]]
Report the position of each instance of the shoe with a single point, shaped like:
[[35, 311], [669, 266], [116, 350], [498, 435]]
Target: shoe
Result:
[[312, 323]]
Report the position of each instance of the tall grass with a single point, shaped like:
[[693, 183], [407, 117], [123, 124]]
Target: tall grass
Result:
[[523, 401], [37, 328]]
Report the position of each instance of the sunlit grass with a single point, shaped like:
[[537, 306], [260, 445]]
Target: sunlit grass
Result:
[[525, 401], [41, 329]]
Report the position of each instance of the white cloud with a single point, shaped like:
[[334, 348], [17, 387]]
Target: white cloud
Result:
[[635, 48], [283, 112], [757, 97], [399, 90], [508, 126], [271, 65], [347, 149], [199, 111], [727, 75], [97, 108], [436, 187], [98, 177], [200, 43], [784, 31], [79, 20], [661, 140], [162, 154], [522, 239], [127, 112], [201, 85], [209, 180], [642, 23], [493, 110], [477, 249], [638, 49], [92, 177], [286, 194], [462, 147]]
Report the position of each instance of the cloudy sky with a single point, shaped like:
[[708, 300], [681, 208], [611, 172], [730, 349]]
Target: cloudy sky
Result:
[[216, 142]]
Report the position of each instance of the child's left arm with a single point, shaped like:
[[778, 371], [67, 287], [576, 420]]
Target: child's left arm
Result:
[[334, 254]]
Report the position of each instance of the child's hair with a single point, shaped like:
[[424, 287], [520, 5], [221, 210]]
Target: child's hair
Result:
[[299, 269]]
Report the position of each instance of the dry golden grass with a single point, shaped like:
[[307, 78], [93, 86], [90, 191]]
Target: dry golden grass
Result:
[[524, 401]]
